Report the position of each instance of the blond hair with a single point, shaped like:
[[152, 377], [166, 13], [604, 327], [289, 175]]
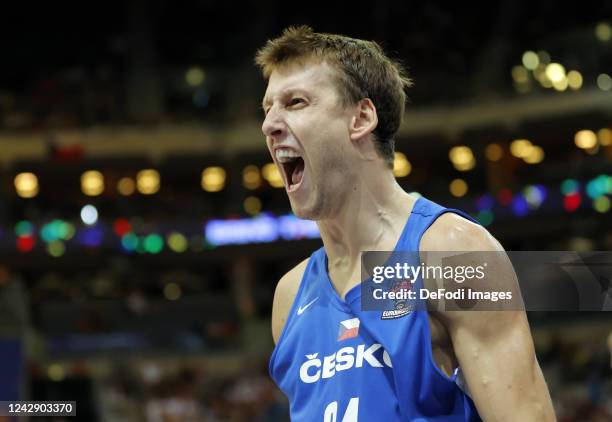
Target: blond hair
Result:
[[363, 71]]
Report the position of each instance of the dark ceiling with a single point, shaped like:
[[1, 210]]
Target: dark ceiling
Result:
[[87, 63]]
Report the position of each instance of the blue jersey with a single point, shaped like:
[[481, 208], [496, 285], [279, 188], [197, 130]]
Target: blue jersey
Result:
[[338, 363]]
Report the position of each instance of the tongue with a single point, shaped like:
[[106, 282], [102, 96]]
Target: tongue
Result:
[[298, 172]]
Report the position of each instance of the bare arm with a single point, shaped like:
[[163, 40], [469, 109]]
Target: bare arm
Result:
[[285, 292], [494, 348]]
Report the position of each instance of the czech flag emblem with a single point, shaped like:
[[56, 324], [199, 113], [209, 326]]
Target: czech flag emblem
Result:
[[348, 329]]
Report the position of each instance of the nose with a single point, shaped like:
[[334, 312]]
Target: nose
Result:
[[273, 125]]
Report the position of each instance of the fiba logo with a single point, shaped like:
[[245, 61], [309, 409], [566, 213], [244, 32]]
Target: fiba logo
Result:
[[401, 307]]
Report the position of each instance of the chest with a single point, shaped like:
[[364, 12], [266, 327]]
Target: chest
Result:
[[331, 355], [441, 344], [325, 345]]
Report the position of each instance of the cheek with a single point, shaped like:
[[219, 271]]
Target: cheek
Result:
[[324, 138], [331, 160]]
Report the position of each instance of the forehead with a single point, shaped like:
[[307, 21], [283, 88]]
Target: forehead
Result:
[[309, 77]]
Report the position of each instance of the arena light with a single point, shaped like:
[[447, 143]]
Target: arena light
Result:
[[585, 139], [520, 147], [601, 204], [48, 232], [485, 217], [251, 178], [520, 75], [599, 186], [603, 31], [401, 165], [494, 152], [91, 237], [129, 242], [605, 137], [530, 60], [574, 79], [57, 230], [148, 181], [172, 291], [520, 207], [195, 76], [56, 248], [534, 155], [555, 72], [458, 188], [26, 185], [126, 186], [534, 195], [609, 184], [460, 154], [153, 243], [540, 74], [466, 167], [260, 229], [177, 242], [561, 85], [272, 175], [92, 183], [67, 230], [485, 202], [604, 82], [572, 201], [213, 179], [24, 228], [252, 205], [89, 215], [25, 243], [462, 158], [569, 186], [292, 228], [121, 227], [56, 372]]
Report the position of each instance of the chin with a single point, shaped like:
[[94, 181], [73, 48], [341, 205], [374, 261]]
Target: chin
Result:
[[303, 214]]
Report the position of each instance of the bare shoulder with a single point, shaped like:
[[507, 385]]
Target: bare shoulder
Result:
[[455, 237], [452, 232], [286, 289]]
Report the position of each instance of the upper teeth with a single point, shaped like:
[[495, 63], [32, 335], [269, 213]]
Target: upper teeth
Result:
[[286, 155]]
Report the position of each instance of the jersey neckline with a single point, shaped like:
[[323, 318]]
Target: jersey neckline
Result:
[[355, 292]]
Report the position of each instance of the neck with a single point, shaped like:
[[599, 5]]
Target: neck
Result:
[[371, 218]]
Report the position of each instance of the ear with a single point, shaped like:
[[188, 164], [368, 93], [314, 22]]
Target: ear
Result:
[[364, 121]]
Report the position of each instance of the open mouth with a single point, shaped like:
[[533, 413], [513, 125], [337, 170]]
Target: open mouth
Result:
[[294, 170], [293, 167]]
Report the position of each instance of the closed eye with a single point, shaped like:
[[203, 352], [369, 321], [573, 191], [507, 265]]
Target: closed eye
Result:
[[295, 101]]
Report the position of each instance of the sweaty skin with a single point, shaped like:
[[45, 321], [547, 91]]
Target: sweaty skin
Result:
[[353, 196]]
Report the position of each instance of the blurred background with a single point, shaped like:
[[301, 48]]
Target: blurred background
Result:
[[143, 227]]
